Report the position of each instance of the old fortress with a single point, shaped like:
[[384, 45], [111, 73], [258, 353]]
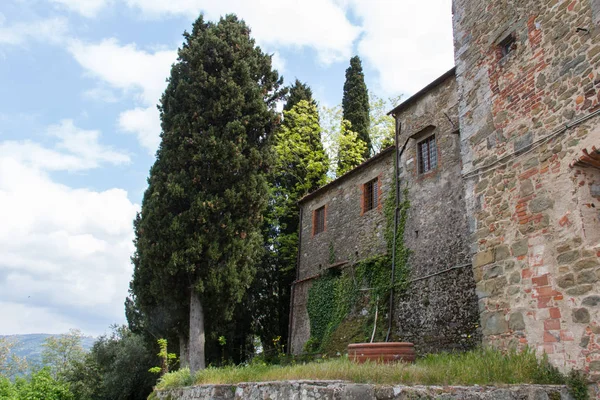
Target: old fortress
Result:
[[500, 158]]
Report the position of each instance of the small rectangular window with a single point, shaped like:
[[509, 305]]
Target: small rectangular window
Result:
[[427, 155], [507, 45], [319, 220], [371, 195]]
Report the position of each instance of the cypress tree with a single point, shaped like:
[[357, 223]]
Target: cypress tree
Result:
[[198, 235], [299, 91], [355, 103]]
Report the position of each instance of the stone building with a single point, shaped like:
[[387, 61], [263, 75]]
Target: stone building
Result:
[[439, 309], [528, 80], [500, 158], [340, 223]]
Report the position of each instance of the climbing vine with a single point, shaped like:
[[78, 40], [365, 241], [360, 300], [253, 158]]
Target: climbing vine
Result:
[[335, 295]]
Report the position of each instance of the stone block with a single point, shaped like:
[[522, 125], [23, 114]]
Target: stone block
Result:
[[568, 257], [581, 315], [591, 301], [520, 248], [586, 276], [516, 322], [494, 323], [540, 204], [565, 281], [579, 290], [501, 252], [483, 258], [584, 264]]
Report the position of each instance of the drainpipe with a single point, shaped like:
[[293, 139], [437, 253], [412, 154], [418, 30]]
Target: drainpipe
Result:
[[396, 211], [293, 288]]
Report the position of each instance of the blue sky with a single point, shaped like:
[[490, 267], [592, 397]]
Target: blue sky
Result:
[[79, 81]]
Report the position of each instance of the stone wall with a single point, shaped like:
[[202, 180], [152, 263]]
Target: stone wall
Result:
[[350, 233], [336, 390], [437, 312], [527, 72]]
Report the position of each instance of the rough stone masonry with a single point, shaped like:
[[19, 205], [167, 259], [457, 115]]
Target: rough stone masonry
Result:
[[528, 83], [514, 194]]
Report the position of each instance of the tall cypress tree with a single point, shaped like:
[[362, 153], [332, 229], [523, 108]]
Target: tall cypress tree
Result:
[[198, 234], [355, 103]]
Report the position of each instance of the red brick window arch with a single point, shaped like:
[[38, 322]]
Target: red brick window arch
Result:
[[371, 195]]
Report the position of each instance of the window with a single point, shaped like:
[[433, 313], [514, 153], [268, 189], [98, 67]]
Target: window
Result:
[[319, 220], [427, 155], [507, 45], [371, 195]]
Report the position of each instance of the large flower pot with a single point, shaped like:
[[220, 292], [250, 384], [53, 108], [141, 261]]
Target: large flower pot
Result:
[[382, 352]]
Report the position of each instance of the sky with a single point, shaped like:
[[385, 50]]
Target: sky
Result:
[[79, 84]]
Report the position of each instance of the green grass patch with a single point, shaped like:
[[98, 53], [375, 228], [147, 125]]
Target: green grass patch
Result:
[[477, 367]]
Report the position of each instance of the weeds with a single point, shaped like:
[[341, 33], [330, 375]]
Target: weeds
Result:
[[477, 367]]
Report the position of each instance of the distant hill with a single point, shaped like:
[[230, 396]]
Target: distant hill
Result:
[[30, 346]]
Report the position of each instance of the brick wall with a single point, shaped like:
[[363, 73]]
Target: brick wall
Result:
[[534, 232]]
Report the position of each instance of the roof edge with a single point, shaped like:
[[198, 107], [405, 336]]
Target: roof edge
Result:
[[402, 106], [347, 174]]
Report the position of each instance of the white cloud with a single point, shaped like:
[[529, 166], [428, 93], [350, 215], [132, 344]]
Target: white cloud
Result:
[[20, 318], [318, 24], [65, 251], [409, 42], [137, 72], [278, 62], [145, 124], [76, 150], [52, 30], [87, 8], [126, 67]]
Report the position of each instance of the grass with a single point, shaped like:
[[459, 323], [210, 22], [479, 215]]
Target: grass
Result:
[[477, 367]]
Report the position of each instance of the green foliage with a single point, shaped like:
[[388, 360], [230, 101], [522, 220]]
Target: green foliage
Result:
[[10, 364], [332, 297], [300, 167], [7, 389], [199, 227], [351, 149], [298, 91], [355, 104], [115, 369], [382, 126], [477, 367], [167, 360], [39, 386], [578, 385], [62, 352]]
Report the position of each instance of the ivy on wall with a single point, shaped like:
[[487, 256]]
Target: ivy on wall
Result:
[[335, 296]]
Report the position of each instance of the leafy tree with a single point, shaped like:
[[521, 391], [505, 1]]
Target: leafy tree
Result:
[[123, 363], [198, 237], [382, 126], [300, 167], [355, 104], [10, 364], [40, 386], [350, 150], [298, 91], [61, 352]]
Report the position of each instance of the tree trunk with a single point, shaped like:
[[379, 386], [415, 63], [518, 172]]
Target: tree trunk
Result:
[[196, 343], [184, 351]]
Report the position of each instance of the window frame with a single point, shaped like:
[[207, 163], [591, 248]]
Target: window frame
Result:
[[318, 226], [370, 195], [432, 154]]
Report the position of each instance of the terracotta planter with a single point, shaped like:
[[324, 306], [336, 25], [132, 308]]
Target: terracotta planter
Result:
[[382, 352]]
